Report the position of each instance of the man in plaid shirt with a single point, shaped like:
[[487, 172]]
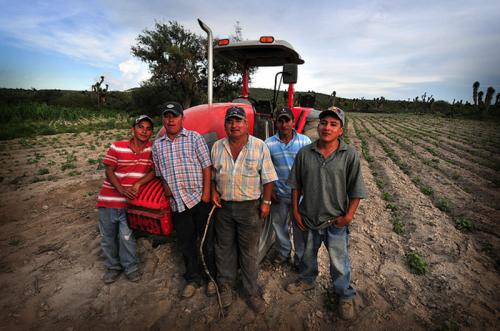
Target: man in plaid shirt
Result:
[[243, 176], [182, 160]]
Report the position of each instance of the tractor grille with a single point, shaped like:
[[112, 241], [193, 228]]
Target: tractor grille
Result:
[[150, 211]]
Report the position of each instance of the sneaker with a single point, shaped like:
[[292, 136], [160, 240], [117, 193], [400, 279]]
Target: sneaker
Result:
[[226, 296], [298, 286], [134, 276], [346, 309], [111, 275], [211, 289], [189, 290], [257, 304]]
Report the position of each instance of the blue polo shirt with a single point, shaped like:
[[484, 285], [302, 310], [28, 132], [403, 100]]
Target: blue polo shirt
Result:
[[283, 156]]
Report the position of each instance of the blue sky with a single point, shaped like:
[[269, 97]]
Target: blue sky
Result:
[[395, 49]]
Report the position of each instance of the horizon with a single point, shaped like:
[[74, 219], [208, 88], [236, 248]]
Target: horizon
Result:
[[398, 50]]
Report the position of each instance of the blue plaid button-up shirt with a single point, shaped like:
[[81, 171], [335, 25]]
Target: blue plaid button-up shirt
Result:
[[180, 163]]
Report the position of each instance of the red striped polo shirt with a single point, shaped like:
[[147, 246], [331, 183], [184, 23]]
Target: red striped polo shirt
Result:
[[129, 168]]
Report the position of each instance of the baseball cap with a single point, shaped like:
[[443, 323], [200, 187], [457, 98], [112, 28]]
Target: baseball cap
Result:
[[335, 111], [236, 112], [172, 107], [140, 118], [285, 112]]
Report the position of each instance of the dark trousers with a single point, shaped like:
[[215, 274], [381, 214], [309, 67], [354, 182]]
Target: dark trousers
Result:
[[189, 226], [238, 229]]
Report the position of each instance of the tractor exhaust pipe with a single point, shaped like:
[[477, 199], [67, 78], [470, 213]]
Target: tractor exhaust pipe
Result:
[[210, 59]]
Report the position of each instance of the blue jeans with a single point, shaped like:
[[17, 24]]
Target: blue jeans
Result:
[[118, 243], [281, 213], [336, 241]]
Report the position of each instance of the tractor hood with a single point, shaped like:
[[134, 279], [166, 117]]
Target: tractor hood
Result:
[[253, 53]]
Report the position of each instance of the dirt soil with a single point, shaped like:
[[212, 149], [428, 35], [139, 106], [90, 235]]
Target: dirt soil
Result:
[[51, 264]]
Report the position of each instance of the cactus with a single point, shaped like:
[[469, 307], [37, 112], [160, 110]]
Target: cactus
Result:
[[100, 92], [334, 98], [475, 87], [480, 98], [490, 92], [497, 100]]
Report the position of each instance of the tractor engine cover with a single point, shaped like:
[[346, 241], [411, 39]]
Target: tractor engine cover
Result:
[[150, 211]]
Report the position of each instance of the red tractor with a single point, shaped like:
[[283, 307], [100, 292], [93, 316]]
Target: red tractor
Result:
[[208, 119]]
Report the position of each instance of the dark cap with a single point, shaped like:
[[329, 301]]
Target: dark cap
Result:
[[236, 112], [172, 107], [140, 118], [285, 112], [333, 111]]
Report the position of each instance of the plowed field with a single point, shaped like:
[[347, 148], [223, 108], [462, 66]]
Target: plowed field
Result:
[[433, 187]]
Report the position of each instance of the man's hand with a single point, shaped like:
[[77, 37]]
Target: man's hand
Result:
[[298, 220], [205, 197], [264, 210], [216, 199], [126, 192], [342, 221]]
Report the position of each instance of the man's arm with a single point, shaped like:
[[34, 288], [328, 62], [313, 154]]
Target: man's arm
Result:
[[266, 196], [135, 188], [295, 209], [344, 220], [207, 176], [110, 175]]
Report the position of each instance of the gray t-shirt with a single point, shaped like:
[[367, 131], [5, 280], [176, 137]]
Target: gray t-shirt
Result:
[[326, 184]]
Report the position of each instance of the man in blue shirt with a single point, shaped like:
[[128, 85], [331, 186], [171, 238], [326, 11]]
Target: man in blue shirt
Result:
[[283, 147]]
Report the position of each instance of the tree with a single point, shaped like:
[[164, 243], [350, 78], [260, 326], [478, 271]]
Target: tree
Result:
[[100, 92], [177, 60]]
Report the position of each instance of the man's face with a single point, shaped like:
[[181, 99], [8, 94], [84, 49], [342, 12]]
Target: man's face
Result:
[[285, 125], [142, 131], [236, 127], [329, 129], [172, 123]]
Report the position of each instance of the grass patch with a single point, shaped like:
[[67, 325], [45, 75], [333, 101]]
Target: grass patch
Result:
[[416, 263], [463, 224], [15, 242]]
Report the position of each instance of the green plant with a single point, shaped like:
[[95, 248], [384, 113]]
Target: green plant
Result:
[[387, 196], [443, 205], [464, 224], [397, 225], [416, 263], [427, 190], [42, 171], [15, 242], [74, 173], [391, 206]]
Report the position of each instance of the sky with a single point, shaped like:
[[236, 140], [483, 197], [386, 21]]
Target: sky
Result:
[[396, 49]]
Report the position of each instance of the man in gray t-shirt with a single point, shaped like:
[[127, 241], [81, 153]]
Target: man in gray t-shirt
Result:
[[327, 173]]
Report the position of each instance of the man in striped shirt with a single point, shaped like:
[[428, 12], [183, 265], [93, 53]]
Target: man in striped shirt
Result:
[[182, 160], [243, 175], [128, 167], [283, 147]]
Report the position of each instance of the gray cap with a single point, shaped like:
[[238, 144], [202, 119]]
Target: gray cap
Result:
[[140, 118], [172, 107], [237, 112], [285, 112], [335, 111]]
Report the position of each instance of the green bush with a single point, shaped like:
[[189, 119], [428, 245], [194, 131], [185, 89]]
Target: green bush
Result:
[[416, 263]]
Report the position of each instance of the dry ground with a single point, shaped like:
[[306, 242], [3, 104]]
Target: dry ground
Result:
[[51, 267]]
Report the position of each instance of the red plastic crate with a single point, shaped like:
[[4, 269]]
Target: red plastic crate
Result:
[[150, 211]]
